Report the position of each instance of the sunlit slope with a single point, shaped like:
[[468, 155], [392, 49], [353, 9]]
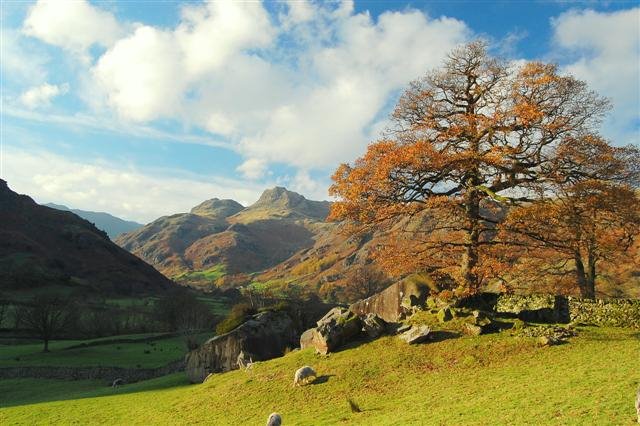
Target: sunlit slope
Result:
[[493, 379]]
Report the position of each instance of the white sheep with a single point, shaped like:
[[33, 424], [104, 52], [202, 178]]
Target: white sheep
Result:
[[303, 375], [242, 361], [274, 419]]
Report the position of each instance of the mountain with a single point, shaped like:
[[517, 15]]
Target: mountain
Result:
[[41, 247], [112, 225], [222, 237]]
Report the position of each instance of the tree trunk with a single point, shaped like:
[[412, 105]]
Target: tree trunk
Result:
[[46, 345], [591, 276], [586, 283], [470, 255]]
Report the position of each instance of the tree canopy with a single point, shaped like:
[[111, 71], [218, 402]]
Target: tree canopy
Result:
[[467, 141]]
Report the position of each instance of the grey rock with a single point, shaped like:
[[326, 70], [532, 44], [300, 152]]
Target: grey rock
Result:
[[264, 336], [337, 327], [373, 326], [417, 334]]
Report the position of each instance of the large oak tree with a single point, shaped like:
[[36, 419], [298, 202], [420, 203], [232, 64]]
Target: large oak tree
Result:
[[475, 133]]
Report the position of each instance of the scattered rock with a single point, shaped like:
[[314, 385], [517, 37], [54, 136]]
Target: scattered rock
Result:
[[403, 328], [264, 336], [337, 327], [373, 326], [549, 341], [472, 329], [417, 334]]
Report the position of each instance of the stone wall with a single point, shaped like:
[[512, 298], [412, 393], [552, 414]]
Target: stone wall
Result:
[[533, 307], [548, 308], [612, 313], [108, 374]]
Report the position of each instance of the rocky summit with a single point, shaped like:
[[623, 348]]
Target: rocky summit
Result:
[[224, 235]]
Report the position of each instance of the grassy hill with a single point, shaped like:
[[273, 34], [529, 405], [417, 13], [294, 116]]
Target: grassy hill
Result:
[[490, 379], [41, 247]]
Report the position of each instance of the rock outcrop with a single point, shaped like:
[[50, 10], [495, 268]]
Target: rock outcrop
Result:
[[265, 336], [337, 327], [395, 302]]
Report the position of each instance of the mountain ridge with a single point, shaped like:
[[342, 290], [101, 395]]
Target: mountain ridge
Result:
[[41, 247], [223, 232], [112, 225]]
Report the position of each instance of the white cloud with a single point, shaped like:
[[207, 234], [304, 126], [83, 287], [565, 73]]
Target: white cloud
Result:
[[41, 96], [210, 34], [141, 75], [124, 192], [253, 168], [21, 63], [604, 49], [74, 25], [308, 86]]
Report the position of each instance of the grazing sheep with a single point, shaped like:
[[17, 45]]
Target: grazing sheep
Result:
[[303, 375], [242, 361], [117, 382], [274, 419]]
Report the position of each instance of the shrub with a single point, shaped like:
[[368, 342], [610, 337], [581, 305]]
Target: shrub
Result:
[[239, 314]]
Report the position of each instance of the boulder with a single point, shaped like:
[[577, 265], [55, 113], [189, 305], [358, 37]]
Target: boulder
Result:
[[395, 302], [472, 329], [416, 334], [337, 327], [265, 335], [373, 326]]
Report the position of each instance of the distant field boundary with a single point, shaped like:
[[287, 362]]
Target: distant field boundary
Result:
[[125, 340], [108, 374]]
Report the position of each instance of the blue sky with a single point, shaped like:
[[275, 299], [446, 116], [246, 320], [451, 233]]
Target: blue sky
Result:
[[147, 108]]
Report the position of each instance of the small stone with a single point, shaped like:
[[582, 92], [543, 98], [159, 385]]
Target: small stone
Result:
[[472, 329], [416, 334], [403, 328], [548, 341]]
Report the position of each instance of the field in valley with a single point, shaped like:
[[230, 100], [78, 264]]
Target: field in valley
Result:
[[489, 379]]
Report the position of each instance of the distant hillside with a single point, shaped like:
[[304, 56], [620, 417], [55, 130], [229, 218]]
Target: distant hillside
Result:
[[41, 247], [112, 225], [222, 237]]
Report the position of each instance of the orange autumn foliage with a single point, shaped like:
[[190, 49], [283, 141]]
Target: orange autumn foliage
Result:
[[467, 141]]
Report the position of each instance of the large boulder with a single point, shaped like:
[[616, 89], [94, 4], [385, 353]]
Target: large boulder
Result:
[[395, 302], [264, 336], [337, 327]]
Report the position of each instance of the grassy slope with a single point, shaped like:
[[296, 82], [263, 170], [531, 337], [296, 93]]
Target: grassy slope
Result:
[[128, 355], [493, 379]]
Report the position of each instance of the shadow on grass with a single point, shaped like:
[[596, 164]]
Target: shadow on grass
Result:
[[322, 379], [26, 391]]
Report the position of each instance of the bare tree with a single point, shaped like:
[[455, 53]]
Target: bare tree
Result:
[[47, 316]]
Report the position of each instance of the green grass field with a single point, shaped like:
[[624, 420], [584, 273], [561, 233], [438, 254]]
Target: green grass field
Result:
[[128, 355], [490, 379]]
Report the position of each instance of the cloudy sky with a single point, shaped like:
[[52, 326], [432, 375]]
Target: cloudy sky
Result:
[[147, 108]]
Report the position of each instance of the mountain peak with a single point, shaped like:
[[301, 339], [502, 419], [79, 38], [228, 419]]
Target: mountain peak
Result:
[[279, 197], [216, 207]]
